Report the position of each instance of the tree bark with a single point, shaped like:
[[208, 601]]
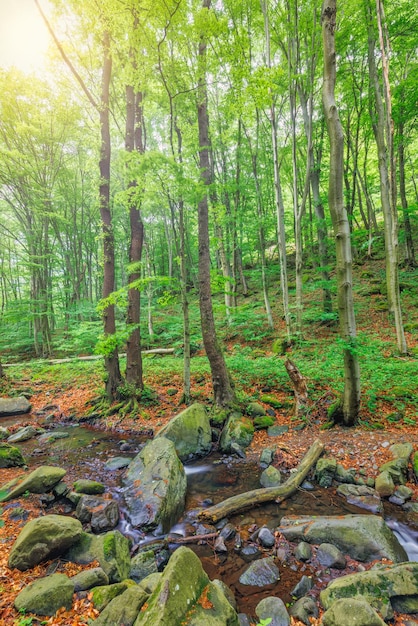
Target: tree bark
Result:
[[247, 500], [222, 389], [134, 141], [351, 396]]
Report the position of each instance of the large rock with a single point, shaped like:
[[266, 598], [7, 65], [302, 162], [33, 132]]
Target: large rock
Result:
[[190, 432], [363, 537], [100, 513], [41, 480], [46, 595], [44, 538], [112, 550], [184, 590], [23, 434], [124, 608], [14, 406], [260, 573], [384, 587], [274, 609], [362, 496], [155, 486], [350, 612], [239, 430], [10, 456]]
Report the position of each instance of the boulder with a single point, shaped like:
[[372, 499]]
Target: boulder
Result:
[[275, 609], [44, 538], [363, 537], [142, 565], [46, 595], [184, 590], [117, 463], [238, 429], [102, 595], [10, 456], [325, 471], [53, 435], [112, 550], [304, 609], [89, 487], [23, 434], [41, 480], [190, 432], [350, 612], [155, 486], [329, 555], [384, 484], [382, 587], [124, 608], [14, 406], [255, 409], [101, 514], [260, 573], [270, 477]]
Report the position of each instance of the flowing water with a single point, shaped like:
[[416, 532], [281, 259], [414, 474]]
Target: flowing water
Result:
[[86, 450]]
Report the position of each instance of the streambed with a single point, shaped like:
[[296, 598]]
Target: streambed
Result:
[[86, 450]]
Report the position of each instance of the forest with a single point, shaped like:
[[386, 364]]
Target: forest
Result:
[[223, 177]]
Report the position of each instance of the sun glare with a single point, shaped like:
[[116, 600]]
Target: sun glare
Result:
[[24, 38]]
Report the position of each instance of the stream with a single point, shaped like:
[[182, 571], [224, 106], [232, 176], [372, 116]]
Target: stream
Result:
[[84, 454]]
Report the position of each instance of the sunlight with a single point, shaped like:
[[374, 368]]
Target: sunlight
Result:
[[24, 38]]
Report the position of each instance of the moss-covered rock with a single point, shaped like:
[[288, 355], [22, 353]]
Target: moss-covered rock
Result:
[[103, 594], [238, 429], [351, 612], [41, 480], [46, 595], [255, 409], [263, 422], [89, 487], [124, 608], [190, 432], [10, 456], [43, 538]]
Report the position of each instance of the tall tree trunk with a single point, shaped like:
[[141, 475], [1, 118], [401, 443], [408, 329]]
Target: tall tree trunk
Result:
[[382, 128], [409, 243], [222, 389], [114, 377], [278, 197], [351, 398], [134, 141]]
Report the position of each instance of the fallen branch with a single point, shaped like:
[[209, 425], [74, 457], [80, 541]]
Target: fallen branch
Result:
[[95, 357], [247, 500], [191, 538]]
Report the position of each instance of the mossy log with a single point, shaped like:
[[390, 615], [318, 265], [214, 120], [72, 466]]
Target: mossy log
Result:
[[247, 500]]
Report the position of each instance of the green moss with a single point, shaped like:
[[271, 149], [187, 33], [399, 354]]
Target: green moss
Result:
[[271, 401], [109, 545], [263, 422]]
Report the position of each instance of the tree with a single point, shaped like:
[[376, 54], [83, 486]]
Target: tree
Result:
[[222, 389], [351, 396]]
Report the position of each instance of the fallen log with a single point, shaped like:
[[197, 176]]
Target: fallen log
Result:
[[191, 538], [95, 357], [247, 500]]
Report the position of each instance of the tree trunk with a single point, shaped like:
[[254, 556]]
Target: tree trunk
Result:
[[134, 141], [114, 377], [351, 397], [222, 389], [382, 128], [409, 243], [247, 500]]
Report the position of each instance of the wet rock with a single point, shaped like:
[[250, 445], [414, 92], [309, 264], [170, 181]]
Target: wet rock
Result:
[[10, 456], [237, 429], [237, 450], [14, 406], [266, 537], [397, 583], [123, 609], [260, 573], [23, 434], [275, 609], [325, 472], [116, 463], [303, 551], [89, 487], [349, 612], [101, 514], [44, 538], [46, 595], [155, 486], [304, 609], [190, 431], [89, 578], [329, 555], [250, 552], [271, 477], [363, 537], [362, 496], [53, 435], [226, 591], [303, 587], [41, 480], [228, 532], [142, 565], [402, 494], [384, 484], [177, 595], [243, 620], [220, 546]]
